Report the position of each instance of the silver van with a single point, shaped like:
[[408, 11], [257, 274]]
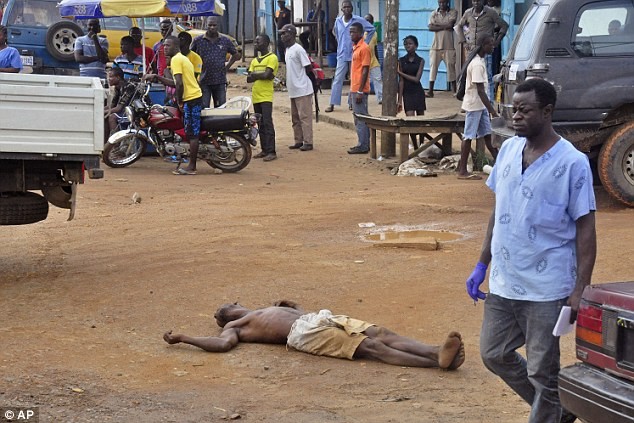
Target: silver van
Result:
[[585, 48]]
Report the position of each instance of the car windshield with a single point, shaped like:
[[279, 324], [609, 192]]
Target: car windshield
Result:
[[525, 40], [34, 13]]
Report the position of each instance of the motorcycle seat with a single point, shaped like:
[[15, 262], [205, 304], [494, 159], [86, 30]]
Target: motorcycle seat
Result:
[[223, 119]]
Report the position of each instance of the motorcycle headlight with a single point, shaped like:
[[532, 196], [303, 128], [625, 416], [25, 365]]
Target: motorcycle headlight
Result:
[[129, 113]]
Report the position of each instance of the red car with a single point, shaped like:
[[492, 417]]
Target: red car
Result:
[[600, 389]]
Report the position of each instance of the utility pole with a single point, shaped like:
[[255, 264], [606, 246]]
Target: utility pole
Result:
[[390, 76]]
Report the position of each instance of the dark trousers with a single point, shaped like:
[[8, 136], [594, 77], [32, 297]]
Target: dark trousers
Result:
[[217, 92], [281, 51], [267, 130], [304, 38]]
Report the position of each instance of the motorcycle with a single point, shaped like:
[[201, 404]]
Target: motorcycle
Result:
[[226, 135]]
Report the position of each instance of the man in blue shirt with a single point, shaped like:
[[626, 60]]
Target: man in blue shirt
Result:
[[91, 52], [541, 245], [341, 32], [213, 48]]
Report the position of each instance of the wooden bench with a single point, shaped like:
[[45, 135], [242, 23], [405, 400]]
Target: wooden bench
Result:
[[443, 128]]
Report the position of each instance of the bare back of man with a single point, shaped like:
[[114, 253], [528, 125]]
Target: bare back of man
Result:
[[272, 325]]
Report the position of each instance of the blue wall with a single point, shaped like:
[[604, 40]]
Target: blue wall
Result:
[[413, 20]]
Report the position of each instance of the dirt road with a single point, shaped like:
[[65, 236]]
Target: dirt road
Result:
[[84, 303]]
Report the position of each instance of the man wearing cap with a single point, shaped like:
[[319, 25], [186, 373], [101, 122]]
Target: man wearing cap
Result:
[[300, 89]]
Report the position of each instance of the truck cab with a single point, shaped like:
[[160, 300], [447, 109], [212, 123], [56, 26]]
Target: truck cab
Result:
[[44, 39], [573, 44]]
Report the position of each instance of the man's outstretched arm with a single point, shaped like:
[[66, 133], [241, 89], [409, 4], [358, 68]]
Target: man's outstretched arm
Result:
[[223, 343]]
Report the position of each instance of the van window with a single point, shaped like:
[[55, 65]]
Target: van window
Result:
[[525, 40], [604, 29], [33, 13], [117, 22], [151, 24]]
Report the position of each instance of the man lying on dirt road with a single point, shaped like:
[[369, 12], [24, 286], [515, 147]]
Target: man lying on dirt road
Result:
[[323, 334]]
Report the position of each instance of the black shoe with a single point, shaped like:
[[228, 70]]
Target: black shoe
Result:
[[270, 157], [306, 147], [295, 146], [260, 155], [357, 150]]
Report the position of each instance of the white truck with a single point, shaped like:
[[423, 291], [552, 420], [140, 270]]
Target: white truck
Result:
[[51, 132]]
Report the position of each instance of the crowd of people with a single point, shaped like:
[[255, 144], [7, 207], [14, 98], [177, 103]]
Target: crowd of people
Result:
[[212, 54]]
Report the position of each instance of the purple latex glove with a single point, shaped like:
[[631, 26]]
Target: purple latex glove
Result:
[[475, 280]]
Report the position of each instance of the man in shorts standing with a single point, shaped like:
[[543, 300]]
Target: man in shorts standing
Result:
[[188, 97], [477, 105]]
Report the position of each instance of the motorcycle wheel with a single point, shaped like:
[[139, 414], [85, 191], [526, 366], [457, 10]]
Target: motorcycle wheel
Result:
[[124, 153], [235, 160]]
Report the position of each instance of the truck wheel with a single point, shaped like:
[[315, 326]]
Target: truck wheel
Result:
[[616, 164], [60, 40], [21, 208], [59, 196]]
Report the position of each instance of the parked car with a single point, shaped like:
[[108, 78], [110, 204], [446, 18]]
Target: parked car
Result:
[[600, 389], [45, 40], [569, 43]]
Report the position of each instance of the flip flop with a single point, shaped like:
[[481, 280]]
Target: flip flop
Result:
[[181, 171], [471, 177]]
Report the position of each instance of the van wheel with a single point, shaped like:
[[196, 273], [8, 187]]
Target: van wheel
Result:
[[21, 208], [60, 40], [616, 164]]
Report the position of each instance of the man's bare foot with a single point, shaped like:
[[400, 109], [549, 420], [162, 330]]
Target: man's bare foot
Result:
[[449, 350], [458, 359], [171, 339]]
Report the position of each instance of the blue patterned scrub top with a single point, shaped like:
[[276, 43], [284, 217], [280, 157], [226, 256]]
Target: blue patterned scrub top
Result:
[[533, 246]]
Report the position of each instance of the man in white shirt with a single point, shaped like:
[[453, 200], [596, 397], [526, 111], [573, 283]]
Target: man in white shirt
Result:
[[477, 105], [300, 89]]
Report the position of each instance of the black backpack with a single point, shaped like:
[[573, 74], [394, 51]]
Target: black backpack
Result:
[[462, 80]]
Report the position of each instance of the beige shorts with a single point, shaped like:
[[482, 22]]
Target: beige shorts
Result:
[[326, 334], [447, 56]]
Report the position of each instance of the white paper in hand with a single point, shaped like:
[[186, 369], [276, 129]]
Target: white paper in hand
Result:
[[563, 325]]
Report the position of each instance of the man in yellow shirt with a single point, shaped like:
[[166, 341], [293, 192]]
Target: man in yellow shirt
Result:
[[188, 97], [262, 71], [185, 40]]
